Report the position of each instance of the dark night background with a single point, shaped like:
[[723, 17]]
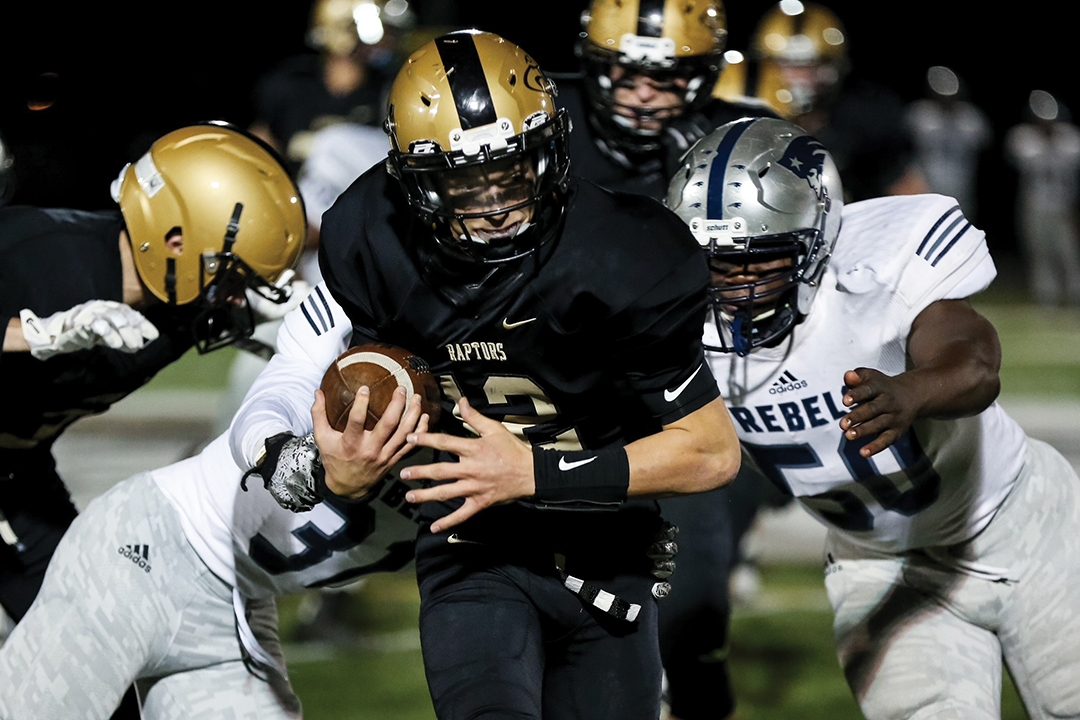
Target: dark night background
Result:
[[120, 74]]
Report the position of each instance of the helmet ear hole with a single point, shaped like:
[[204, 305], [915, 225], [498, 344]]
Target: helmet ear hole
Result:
[[174, 240], [762, 172]]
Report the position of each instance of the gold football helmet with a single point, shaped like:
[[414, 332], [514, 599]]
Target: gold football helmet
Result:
[[745, 81], [467, 108], [338, 27], [802, 49], [211, 212], [678, 44]]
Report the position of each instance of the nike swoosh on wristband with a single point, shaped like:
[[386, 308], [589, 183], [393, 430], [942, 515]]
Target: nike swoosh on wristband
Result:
[[673, 395], [564, 466], [510, 326]]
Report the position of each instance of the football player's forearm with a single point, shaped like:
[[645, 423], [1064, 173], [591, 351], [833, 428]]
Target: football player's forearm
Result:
[[279, 401], [695, 454], [13, 337], [957, 358]]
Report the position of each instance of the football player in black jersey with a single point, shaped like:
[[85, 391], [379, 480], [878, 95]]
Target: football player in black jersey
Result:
[[95, 303], [644, 96], [356, 46], [564, 324]]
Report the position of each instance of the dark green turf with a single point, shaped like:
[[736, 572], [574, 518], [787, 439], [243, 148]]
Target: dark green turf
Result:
[[782, 660]]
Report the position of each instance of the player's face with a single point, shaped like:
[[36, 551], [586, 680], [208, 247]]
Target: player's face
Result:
[[493, 200], [660, 97], [809, 82], [761, 281]]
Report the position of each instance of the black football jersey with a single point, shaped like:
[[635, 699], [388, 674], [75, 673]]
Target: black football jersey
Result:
[[52, 260], [596, 341], [582, 349], [647, 173]]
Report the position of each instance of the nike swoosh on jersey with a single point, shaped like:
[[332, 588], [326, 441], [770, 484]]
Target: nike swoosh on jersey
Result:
[[510, 326], [564, 466], [673, 395], [457, 540]]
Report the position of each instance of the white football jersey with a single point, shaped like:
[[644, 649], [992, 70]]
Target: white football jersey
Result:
[[244, 536], [944, 480]]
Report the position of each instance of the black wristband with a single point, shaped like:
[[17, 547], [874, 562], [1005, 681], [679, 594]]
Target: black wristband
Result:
[[595, 477]]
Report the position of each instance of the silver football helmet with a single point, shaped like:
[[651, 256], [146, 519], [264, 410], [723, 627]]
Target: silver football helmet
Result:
[[763, 198]]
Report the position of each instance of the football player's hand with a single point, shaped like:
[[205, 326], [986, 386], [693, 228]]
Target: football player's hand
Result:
[[355, 459], [881, 405], [266, 310], [97, 322], [493, 469]]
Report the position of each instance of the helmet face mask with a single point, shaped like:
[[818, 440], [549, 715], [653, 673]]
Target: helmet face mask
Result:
[[754, 289], [763, 198], [225, 314], [647, 63], [479, 149]]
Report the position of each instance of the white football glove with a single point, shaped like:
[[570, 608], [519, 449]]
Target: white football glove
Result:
[[98, 322], [267, 310]]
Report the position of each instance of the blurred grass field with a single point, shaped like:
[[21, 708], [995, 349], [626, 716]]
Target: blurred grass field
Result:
[[781, 656]]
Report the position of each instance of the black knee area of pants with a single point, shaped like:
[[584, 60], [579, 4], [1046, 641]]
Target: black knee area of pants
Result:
[[39, 511]]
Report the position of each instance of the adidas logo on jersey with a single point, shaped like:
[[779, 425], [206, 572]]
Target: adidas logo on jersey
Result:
[[138, 554], [786, 383]]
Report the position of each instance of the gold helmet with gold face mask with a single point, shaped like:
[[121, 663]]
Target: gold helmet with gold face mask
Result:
[[475, 133], [212, 213], [677, 44]]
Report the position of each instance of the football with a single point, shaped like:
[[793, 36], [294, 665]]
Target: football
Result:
[[382, 368]]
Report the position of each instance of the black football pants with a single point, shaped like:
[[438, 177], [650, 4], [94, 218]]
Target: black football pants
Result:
[[503, 638], [694, 617], [38, 510]]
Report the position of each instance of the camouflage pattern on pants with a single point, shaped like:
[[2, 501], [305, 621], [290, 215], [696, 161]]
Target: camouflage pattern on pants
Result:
[[126, 598], [923, 634]]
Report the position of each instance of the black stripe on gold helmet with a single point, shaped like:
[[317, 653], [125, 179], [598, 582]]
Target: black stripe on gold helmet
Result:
[[478, 146]]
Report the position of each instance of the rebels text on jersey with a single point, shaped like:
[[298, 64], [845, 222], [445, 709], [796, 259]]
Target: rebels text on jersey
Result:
[[598, 344], [941, 482]]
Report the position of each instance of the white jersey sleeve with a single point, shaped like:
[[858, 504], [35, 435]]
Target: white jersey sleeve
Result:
[[918, 248], [311, 337]]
